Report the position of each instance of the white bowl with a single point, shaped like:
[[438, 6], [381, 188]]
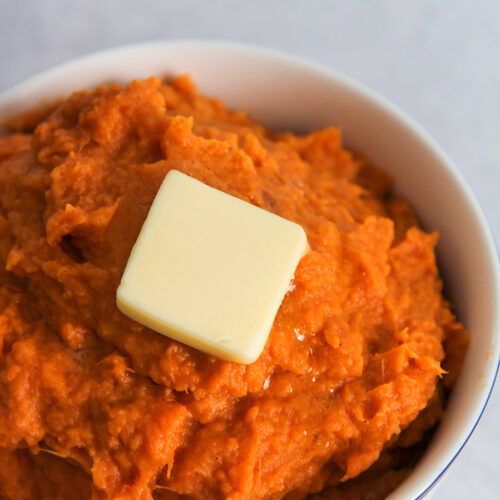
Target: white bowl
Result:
[[285, 92]]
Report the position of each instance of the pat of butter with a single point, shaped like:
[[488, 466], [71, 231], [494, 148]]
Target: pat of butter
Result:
[[209, 269]]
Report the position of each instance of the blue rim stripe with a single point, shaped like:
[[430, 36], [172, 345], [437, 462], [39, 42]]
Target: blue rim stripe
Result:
[[438, 478], [434, 483]]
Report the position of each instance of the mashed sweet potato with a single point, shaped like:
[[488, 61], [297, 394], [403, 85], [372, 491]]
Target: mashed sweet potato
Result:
[[94, 405]]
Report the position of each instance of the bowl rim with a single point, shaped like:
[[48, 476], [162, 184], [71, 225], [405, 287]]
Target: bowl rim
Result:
[[376, 99]]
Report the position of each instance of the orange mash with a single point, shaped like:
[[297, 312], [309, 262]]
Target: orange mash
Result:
[[94, 405]]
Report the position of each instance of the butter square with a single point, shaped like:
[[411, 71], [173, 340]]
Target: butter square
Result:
[[210, 270]]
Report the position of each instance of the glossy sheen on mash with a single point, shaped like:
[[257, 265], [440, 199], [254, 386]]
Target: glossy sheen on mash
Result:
[[94, 405]]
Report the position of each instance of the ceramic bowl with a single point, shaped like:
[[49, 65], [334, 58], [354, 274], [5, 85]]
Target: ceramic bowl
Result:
[[285, 92]]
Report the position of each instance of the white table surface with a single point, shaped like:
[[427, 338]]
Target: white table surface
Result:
[[439, 61]]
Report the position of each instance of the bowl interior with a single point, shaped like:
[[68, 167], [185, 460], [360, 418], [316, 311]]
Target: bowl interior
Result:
[[287, 93]]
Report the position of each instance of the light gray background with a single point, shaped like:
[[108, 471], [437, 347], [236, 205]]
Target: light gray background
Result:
[[438, 60]]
